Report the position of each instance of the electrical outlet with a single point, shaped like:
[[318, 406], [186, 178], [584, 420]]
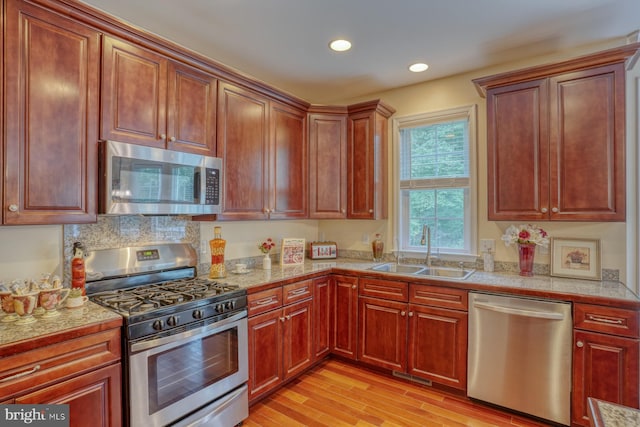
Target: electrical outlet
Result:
[[365, 238], [487, 245]]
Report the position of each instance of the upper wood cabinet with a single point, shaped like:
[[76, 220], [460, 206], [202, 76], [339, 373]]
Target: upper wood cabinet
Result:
[[556, 140], [149, 99], [367, 183], [51, 99], [328, 163]]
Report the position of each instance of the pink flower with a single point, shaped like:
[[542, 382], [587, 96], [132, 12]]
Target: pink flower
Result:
[[524, 235]]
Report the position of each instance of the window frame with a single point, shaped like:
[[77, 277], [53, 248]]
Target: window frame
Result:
[[468, 112]]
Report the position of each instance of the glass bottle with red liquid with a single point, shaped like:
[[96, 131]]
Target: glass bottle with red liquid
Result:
[[217, 245], [377, 247]]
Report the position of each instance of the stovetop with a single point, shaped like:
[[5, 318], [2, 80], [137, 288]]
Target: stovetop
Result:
[[136, 301]]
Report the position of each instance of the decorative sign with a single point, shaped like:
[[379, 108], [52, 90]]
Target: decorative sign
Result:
[[292, 252], [323, 250]]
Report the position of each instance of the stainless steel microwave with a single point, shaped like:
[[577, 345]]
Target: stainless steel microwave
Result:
[[136, 179]]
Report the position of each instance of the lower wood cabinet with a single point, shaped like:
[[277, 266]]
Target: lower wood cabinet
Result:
[[344, 318], [93, 398], [321, 317], [383, 333], [280, 340], [606, 354]]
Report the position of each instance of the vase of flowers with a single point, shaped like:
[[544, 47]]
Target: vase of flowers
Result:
[[265, 247], [526, 237]]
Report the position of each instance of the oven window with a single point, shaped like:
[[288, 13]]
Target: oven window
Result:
[[181, 371]]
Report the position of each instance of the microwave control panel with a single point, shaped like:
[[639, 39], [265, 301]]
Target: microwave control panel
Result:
[[212, 193]]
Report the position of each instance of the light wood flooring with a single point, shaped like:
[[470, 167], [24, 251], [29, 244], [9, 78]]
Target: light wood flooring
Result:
[[336, 394]]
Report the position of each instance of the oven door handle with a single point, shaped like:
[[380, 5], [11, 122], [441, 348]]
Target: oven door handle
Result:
[[145, 345]]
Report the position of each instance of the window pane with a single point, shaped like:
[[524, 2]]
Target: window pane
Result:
[[442, 211]]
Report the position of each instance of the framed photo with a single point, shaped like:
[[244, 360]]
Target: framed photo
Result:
[[292, 252], [575, 258]]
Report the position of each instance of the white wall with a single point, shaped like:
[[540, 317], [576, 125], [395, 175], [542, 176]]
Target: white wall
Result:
[[29, 251]]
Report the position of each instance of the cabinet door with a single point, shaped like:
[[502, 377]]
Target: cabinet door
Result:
[[438, 345], [604, 367], [328, 166], [321, 317], [94, 398], [134, 94], [383, 333], [587, 145], [344, 318], [191, 110], [242, 144], [298, 338], [51, 119], [265, 352], [288, 163], [367, 166], [518, 151]]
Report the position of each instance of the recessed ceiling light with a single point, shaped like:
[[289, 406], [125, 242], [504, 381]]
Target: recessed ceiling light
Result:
[[418, 67], [340, 45]]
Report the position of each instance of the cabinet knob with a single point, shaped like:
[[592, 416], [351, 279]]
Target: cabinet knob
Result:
[[341, 210], [163, 137], [402, 313], [282, 319], [411, 314], [172, 139], [353, 286], [579, 344], [370, 210], [13, 208], [544, 210], [555, 210], [288, 317]]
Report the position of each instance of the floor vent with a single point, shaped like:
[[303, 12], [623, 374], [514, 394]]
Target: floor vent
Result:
[[412, 378]]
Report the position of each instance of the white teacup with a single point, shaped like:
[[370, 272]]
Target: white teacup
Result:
[[75, 302], [241, 268]]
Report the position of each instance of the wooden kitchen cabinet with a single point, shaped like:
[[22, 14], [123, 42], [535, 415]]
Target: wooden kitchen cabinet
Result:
[[606, 358], [51, 101], [550, 130], [327, 163], [437, 340], [280, 340], [93, 398], [81, 370], [321, 317], [367, 178], [344, 318], [149, 99]]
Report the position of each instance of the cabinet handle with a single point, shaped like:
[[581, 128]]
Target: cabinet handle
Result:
[[580, 344], [299, 291], [163, 136], [603, 320], [13, 208], [21, 374], [402, 313], [353, 286], [555, 210], [288, 317], [172, 139], [544, 210], [264, 301], [282, 319]]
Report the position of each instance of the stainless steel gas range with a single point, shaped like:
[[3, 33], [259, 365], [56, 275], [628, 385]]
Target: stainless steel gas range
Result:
[[184, 340]]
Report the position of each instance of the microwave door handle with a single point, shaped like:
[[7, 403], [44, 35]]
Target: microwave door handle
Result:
[[197, 177]]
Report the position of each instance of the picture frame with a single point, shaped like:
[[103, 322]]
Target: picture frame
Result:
[[576, 258], [293, 251]]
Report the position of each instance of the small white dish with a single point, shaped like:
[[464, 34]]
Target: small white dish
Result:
[[245, 271]]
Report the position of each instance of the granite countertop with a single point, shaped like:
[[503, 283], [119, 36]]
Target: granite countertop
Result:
[[605, 414], [547, 285], [69, 318]]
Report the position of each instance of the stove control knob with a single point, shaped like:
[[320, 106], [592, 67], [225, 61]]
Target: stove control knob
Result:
[[219, 308], [172, 321], [229, 305], [157, 325], [197, 314]]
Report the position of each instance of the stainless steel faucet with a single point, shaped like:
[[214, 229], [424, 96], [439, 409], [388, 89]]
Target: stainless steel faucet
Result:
[[426, 240]]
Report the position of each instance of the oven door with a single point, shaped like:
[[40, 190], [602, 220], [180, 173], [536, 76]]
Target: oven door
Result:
[[171, 377]]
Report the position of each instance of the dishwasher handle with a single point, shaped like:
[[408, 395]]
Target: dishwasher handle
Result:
[[520, 312]]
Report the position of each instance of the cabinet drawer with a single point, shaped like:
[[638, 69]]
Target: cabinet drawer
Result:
[[297, 291], [264, 301], [438, 296], [610, 320], [386, 289], [52, 363]]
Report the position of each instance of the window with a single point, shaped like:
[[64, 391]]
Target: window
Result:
[[436, 181]]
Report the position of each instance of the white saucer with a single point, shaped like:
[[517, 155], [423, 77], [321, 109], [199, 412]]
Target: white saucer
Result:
[[241, 271]]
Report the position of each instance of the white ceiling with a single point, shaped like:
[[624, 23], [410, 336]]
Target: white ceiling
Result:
[[284, 42]]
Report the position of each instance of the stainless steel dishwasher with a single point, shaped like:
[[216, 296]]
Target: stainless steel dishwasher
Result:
[[520, 354]]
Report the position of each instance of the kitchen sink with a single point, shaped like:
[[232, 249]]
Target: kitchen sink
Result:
[[449, 273], [418, 270], [392, 267]]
